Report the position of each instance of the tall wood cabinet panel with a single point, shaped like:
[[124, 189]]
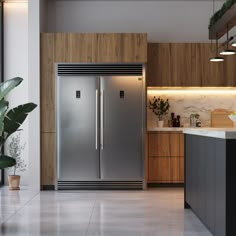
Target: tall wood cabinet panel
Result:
[[77, 48], [165, 165], [47, 83], [182, 64], [159, 64], [48, 161]]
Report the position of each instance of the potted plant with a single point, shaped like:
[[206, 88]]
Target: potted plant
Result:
[[160, 107], [15, 150], [10, 120]]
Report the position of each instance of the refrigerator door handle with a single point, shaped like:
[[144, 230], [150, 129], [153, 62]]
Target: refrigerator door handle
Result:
[[96, 121], [102, 124]]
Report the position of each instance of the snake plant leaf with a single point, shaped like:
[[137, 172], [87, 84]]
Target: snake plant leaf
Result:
[[3, 110], [6, 161], [8, 85], [16, 116]]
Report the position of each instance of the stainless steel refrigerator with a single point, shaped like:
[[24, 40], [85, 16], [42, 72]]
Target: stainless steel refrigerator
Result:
[[100, 121]]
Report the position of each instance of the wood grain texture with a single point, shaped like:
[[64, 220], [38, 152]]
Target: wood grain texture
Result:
[[187, 64], [159, 65], [165, 163], [181, 64], [47, 83], [48, 158], [163, 144], [174, 170], [159, 170], [181, 145], [208, 73], [181, 170]]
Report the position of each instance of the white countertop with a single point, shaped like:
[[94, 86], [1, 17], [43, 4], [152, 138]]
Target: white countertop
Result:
[[223, 133], [162, 129]]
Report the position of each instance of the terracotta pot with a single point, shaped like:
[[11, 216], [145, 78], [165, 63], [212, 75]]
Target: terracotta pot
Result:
[[14, 182]]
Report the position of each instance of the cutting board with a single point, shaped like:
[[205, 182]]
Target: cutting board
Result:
[[220, 119]]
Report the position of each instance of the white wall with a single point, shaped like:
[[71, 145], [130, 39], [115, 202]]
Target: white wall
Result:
[[16, 62], [34, 92], [164, 21]]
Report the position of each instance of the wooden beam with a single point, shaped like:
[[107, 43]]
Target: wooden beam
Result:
[[220, 27]]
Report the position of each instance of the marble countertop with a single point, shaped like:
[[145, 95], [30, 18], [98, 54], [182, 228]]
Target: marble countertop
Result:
[[223, 133], [163, 129]]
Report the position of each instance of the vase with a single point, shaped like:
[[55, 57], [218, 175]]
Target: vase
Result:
[[160, 123], [14, 182]]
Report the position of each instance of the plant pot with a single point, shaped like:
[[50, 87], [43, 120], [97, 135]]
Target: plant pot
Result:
[[160, 123], [14, 182]]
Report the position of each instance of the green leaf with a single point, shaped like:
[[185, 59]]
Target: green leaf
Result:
[[16, 116], [8, 85], [6, 161], [3, 110]]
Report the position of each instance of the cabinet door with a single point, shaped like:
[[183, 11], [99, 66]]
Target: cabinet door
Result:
[[159, 169], [208, 73], [182, 64], [163, 144], [159, 64], [174, 170]]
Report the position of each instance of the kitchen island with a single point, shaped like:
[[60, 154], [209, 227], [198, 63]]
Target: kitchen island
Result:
[[210, 177]]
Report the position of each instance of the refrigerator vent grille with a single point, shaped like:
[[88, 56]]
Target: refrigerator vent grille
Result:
[[99, 69], [94, 185]]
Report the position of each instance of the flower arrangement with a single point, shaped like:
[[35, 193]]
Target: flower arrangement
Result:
[[159, 106]]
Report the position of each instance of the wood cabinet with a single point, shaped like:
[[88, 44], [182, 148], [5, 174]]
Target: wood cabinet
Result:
[[187, 64], [165, 163], [170, 64], [77, 48]]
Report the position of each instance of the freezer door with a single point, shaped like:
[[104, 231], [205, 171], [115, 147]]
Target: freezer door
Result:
[[77, 128], [121, 128]]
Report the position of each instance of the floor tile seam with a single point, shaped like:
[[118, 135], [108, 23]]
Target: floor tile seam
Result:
[[13, 214], [90, 218]]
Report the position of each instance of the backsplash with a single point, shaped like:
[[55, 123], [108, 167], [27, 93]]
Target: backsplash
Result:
[[186, 102]]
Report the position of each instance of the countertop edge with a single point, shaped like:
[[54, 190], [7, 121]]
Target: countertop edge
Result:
[[222, 133]]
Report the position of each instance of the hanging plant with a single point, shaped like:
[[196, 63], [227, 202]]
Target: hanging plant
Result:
[[225, 7]]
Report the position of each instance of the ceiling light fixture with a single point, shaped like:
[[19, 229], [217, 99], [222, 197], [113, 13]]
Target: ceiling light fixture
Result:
[[234, 44], [227, 51], [216, 58]]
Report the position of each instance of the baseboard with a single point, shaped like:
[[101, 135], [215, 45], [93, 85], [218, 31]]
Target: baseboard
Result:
[[48, 187], [165, 185]]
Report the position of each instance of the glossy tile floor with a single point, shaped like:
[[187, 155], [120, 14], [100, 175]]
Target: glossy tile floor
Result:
[[156, 212]]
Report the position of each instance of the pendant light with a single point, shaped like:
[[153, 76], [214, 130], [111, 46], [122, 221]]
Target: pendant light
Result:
[[234, 44], [227, 51], [216, 58]]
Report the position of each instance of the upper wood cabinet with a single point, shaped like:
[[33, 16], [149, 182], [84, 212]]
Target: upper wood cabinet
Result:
[[92, 47], [159, 64], [187, 64], [170, 64]]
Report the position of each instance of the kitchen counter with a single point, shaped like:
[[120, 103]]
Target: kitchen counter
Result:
[[165, 129], [222, 133]]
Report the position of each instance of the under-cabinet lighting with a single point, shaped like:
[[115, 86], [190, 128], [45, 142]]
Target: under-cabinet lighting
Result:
[[191, 90]]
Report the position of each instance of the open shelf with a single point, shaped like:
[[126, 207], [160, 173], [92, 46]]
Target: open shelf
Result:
[[220, 27]]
